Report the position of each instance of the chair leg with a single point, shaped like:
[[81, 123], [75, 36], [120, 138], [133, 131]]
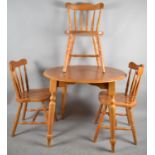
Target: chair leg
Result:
[[68, 52], [35, 116], [127, 114], [96, 51], [99, 125], [24, 111], [133, 128], [71, 48], [100, 54], [98, 113], [16, 119], [63, 104]]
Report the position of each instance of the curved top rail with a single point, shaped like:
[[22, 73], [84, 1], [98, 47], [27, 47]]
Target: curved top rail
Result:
[[84, 6]]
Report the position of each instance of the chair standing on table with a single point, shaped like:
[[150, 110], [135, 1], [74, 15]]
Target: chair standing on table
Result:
[[86, 25]]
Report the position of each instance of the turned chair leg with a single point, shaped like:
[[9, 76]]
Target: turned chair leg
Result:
[[24, 111], [16, 119], [99, 125], [133, 128]]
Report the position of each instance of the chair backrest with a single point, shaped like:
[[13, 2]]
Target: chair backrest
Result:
[[84, 16], [19, 76], [134, 77]]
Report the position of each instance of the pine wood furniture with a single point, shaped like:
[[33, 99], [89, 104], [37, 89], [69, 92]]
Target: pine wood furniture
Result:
[[84, 20], [82, 75], [125, 100], [25, 95]]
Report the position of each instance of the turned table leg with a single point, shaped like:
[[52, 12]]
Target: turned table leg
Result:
[[51, 112], [111, 91]]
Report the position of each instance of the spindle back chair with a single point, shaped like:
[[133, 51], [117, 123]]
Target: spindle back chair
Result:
[[84, 20], [125, 100], [20, 80], [25, 95], [133, 81]]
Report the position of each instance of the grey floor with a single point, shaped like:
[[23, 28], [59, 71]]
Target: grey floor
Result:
[[73, 135]]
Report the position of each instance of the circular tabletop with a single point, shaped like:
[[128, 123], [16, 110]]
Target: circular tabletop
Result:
[[84, 74]]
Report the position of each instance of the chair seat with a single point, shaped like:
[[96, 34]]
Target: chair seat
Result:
[[84, 33], [121, 99], [35, 95]]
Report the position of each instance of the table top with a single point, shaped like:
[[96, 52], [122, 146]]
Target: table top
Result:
[[84, 74]]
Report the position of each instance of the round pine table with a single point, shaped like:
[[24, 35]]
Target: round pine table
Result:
[[84, 75]]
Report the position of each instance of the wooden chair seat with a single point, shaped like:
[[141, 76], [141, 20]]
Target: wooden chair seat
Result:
[[121, 100], [85, 33], [35, 95]]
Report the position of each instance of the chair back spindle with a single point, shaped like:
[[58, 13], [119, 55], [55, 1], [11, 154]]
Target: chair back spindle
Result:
[[19, 76], [75, 20], [134, 77], [87, 19]]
